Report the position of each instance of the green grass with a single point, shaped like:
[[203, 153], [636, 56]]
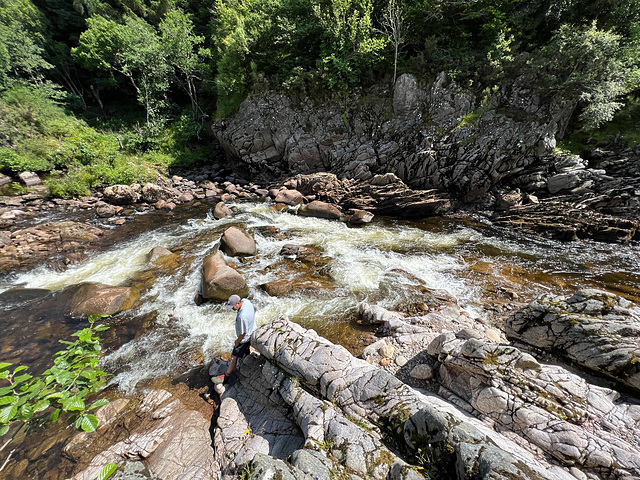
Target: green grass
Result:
[[37, 134]]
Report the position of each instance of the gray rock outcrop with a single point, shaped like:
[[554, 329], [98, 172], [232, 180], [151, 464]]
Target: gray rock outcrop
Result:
[[172, 440], [430, 136], [560, 413], [594, 329], [361, 391], [382, 195]]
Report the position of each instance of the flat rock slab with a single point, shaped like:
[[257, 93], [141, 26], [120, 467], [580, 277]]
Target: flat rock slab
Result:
[[595, 329], [414, 420]]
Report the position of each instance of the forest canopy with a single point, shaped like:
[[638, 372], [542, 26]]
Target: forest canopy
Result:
[[146, 75]]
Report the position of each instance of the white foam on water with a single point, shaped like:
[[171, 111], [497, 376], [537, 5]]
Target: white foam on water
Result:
[[381, 262]]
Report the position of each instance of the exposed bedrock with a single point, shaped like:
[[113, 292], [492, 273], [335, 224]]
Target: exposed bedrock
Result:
[[430, 135], [558, 412], [325, 384], [592, 328]]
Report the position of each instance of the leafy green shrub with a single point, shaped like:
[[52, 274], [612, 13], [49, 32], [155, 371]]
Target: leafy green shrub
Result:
[[64, 387], [11, 161], [75, 184], [122, 169]]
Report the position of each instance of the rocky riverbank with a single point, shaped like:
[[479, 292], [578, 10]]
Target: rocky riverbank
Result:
[[475, 404]]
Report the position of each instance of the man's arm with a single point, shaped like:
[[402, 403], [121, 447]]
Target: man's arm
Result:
[[239, 339]]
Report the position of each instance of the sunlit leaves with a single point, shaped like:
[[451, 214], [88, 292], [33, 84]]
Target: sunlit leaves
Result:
[[61, 388], [107, 471]]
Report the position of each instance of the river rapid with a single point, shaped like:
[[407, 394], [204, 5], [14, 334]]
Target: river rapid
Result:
[[386, 262]]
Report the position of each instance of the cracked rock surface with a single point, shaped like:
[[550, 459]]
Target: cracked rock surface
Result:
[[413, 421], [595, 329]]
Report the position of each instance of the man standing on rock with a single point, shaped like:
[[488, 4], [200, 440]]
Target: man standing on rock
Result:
[[245, 325]]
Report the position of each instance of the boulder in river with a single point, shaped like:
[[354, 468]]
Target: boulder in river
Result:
[[320, 210], [220, 281], [97, 298], [289, 197], [221, 210], [236, 242]]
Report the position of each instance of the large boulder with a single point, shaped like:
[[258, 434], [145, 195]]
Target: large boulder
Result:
[[289, 197], [320, 210], [236, 242], [97, 298], [122, 194], [220, 281], [152, 193], [591, 328]]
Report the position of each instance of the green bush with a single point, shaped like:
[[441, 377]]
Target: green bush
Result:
[[13, 162], [64, 387], [74, 184]]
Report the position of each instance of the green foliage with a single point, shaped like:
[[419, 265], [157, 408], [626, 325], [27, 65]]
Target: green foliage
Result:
[[64, 387], [21, 43], [591, 66], [351, 45], [622, 126], [106, 471], [132, 49]]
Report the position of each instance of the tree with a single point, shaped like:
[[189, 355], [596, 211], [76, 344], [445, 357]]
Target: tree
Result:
[[21, 43], [184, 54], [595, 67], [351, 44], [394, 24], [134, 50]]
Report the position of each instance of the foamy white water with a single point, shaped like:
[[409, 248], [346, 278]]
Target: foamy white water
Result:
[[378, 263]]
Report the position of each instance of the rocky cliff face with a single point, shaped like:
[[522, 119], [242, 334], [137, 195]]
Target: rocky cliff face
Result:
[[430, 136]]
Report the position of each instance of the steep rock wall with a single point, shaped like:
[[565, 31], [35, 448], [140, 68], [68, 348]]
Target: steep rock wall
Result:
[[430, 136]]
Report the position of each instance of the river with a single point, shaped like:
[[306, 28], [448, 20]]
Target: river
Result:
[[388, 262], [383, 262]]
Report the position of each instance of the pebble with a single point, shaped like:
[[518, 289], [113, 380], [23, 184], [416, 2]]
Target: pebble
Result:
[[401, 361], [386, 351], [422, 372]]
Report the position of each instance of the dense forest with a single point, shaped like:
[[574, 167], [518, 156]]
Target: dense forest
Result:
[[113, 91]]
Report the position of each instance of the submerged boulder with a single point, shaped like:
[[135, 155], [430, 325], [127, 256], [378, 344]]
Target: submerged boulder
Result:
[[99, 299]]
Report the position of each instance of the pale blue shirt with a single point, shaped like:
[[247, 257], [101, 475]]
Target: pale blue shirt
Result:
[[245, 320]]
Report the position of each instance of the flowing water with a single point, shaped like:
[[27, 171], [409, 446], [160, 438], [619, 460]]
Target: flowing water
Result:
[[382, 262]]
